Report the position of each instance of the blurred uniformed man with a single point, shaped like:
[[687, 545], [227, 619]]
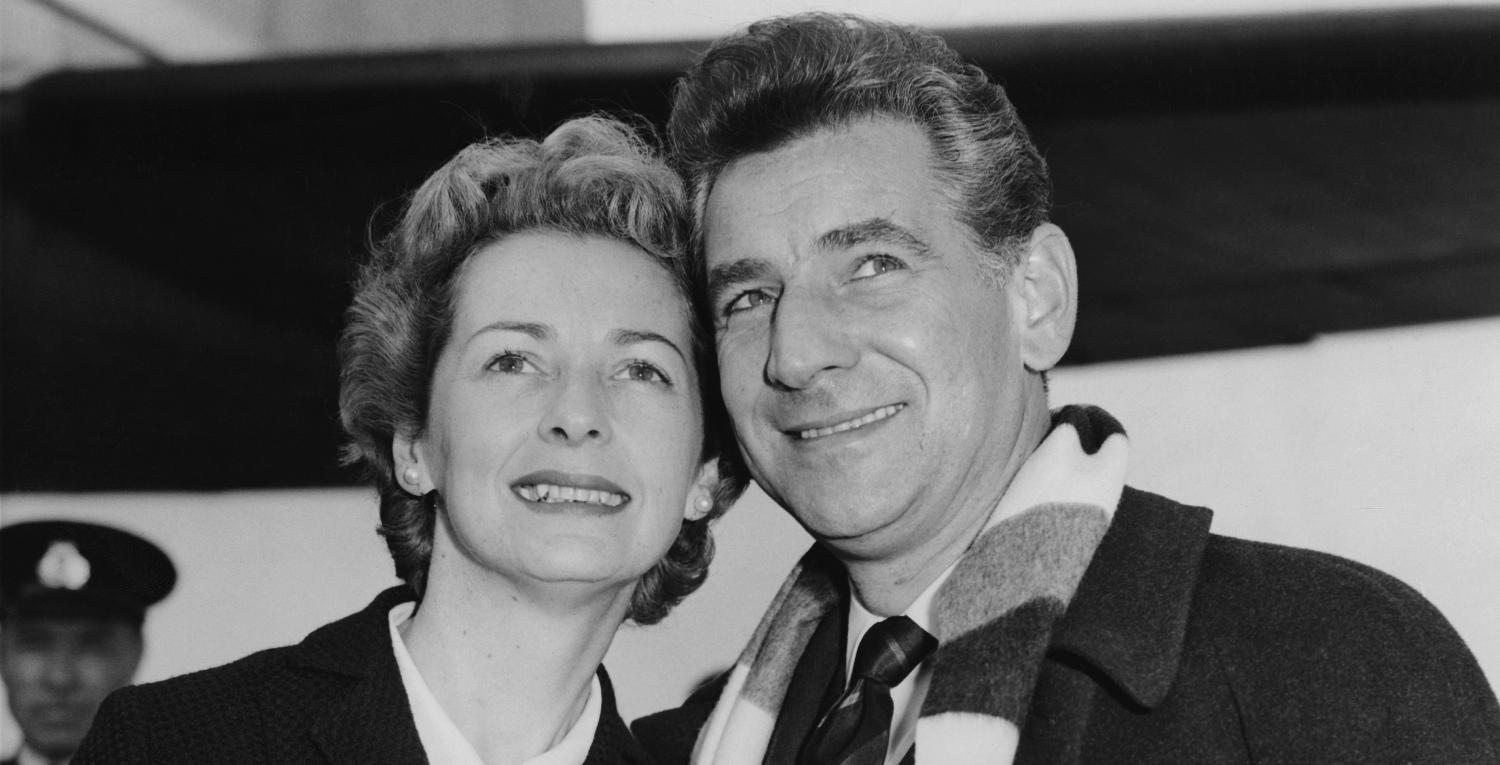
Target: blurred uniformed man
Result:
[[72, 600]]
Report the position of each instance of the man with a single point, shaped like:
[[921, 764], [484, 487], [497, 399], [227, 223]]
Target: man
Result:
[[888, 296], [72, 600]]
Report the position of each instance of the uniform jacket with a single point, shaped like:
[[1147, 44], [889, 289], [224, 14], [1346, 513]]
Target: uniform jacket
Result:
[[1182, 646], [336, 697]]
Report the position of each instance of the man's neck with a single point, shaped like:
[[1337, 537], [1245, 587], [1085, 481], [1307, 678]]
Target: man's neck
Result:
[[888, 585], [888, 588]]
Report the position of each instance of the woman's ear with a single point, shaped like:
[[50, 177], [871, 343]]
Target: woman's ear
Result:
[[1048, 290], [410, 467], [700, 498]]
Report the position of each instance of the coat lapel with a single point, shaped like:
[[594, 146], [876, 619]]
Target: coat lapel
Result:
[[613, 743], [816, 685], [1126, 624], [344, 680], [1058, 717], [371, 723]]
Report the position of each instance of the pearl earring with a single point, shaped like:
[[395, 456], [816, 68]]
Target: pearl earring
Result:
[[704, 504], [411, 476]]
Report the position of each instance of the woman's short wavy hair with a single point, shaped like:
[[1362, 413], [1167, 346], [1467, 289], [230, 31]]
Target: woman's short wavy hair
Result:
[[592, 176], [784, 78]]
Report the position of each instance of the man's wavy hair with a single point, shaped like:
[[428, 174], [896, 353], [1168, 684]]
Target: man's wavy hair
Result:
[[592, 176], [784, 78]]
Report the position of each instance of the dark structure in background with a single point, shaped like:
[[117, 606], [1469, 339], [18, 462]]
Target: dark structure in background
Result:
[[177, 241]]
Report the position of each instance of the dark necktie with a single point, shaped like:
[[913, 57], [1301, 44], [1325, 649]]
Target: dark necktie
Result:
[[856, 731]]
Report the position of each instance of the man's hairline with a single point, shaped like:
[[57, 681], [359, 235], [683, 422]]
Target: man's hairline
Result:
[[952, 201]]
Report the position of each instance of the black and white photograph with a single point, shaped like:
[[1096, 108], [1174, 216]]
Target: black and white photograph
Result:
[[565, 382]]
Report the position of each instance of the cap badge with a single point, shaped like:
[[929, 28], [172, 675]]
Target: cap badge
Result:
[[63, 567]]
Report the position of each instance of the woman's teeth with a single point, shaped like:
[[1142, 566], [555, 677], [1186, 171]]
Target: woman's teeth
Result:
[[859, 422], [549, 492]]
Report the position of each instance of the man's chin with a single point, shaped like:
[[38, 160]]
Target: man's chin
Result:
[[852, 532], [58, 749], [56, 739]]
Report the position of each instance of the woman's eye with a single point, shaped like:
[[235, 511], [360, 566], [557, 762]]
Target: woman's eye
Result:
[[644, 371], [509, 363], [748, 300], [876, 265]]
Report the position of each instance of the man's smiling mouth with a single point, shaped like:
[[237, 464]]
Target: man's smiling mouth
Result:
[[882, 413], [551, 493]]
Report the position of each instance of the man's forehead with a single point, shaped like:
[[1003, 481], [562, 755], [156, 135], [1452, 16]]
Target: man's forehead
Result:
[[836, 187]]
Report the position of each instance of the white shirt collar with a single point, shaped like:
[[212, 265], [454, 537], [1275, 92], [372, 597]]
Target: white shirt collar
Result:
[[445, 743], [906, 698]]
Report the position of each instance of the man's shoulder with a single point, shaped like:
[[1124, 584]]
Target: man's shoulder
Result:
[[1311, 642], [1274, 585], [1279, 587], [1313, 656]]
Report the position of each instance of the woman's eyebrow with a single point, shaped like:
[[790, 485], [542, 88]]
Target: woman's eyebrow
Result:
[[534, 330], [634, 336]]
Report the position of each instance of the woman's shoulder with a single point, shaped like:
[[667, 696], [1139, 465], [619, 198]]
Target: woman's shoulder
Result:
[[226, 707], [350, 645], [216, 685], [212, 707]]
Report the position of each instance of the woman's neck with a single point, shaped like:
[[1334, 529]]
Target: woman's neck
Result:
[[512, 671]]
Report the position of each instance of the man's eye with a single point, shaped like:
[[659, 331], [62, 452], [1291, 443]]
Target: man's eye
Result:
[[748, 300], [876, 265], [645, 371], [510, 363]]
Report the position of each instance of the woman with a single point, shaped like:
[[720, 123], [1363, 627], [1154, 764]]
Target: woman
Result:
[[523, 377]]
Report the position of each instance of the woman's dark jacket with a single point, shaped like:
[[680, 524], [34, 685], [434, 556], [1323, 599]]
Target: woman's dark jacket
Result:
[[336, 697]]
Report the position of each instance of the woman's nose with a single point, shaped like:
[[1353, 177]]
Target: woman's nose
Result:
[[579, 414]]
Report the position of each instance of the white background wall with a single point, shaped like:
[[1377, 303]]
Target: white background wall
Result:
[[1381, 446]]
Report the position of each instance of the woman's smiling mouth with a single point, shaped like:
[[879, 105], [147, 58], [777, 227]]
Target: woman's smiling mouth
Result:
[[555, 487], [551, 493]]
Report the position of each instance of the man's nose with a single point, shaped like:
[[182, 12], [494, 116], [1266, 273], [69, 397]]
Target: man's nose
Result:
[[578, 414], [808, 338], [60, 670]]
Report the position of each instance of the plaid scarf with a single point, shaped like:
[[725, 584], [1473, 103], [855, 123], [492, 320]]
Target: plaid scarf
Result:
[[993, 617]]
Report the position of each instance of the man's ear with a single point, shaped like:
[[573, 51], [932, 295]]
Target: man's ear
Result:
[[411, 469], [1048, 290], [700, 498]]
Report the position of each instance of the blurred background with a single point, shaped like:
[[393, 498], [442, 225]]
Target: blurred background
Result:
[[1287, 218]]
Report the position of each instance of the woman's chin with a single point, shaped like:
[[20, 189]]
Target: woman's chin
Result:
[[584, 566]]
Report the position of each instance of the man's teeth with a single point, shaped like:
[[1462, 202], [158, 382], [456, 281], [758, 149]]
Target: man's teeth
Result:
[[859, 422], [551, 492]]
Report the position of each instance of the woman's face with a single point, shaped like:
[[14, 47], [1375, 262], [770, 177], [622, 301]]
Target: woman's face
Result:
[[564, 426]]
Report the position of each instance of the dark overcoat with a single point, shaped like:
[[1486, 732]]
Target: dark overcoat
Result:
[[334, 698], [1182, 646]]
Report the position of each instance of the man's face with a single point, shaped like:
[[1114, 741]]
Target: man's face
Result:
[[873, 374], [58, 670]]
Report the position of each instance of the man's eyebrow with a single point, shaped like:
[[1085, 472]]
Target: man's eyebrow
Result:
[[873, 231], [632, 336], [726, 275]]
